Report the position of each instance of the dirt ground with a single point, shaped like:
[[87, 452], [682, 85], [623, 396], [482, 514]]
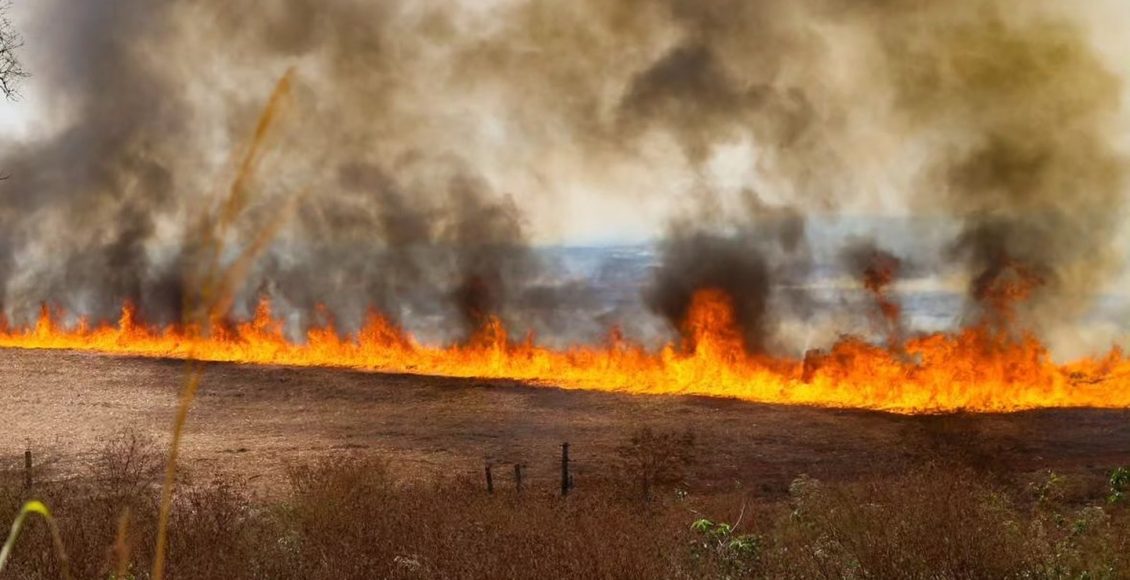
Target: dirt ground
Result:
[[251, 422]]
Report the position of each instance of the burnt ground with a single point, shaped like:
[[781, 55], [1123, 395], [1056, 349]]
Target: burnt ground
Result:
[[252, 422]]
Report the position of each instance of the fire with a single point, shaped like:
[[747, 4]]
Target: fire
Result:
[[972, 370]]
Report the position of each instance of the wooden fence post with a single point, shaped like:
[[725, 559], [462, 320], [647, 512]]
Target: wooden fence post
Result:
[[566, 481], [27, 469], [490, 480]]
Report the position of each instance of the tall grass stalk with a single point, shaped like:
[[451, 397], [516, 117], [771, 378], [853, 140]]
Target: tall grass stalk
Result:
[[35, 507], [121, 546], [217, 283]]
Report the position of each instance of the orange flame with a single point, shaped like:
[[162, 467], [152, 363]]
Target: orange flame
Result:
[[972, 370]]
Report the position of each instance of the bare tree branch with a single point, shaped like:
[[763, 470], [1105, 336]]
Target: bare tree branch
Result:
[[11, 70]]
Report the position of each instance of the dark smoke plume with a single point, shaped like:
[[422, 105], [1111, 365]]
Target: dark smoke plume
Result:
[[745, 264], [704, 261], [878, 270], [432, 141], [89, 196]]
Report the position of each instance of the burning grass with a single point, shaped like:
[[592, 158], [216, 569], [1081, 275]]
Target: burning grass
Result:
[[977, 369]]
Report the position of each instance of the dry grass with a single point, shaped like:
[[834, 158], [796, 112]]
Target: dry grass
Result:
[[350, 517], [943, 521]]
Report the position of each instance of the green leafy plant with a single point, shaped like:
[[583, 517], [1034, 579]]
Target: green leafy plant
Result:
[[734, 553], [1089, 519], [1119, 481], [1048, 488]]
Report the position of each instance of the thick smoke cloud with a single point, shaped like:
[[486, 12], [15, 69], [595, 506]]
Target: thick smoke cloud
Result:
[[429, 144], [1024, 111], [83, 203], [746, 258]]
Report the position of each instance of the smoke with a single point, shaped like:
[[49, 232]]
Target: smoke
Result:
[[1021, 109], [434, 144], [878, 269], [458, 253], [89, 196], [744, 262], [1006, 108]]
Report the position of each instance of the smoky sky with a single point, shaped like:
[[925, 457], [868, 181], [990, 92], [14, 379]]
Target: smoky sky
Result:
[[427, 147]]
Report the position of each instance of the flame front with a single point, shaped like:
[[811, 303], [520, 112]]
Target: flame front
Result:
[[975, 369]]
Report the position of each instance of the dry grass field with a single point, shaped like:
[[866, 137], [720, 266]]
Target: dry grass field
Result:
[[318, 473]]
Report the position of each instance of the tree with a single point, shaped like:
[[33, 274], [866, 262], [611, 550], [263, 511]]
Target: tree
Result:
[[11, 70]]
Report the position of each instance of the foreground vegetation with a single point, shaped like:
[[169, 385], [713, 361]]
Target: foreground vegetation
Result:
[[350, 518]]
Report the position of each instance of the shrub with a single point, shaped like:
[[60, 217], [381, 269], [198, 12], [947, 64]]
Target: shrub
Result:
[[656, 460]]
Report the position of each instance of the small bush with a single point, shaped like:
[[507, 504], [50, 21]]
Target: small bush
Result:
[[1119, 482], [656, 460]]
